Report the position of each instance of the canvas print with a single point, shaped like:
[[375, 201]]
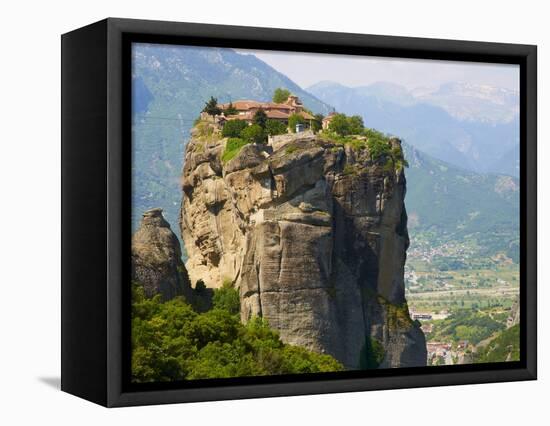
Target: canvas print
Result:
[[297, 213]]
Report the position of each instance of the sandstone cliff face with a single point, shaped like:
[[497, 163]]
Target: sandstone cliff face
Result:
[[156, 258], [314, 235]]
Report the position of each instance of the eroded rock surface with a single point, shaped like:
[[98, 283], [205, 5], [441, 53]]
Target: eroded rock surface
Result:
[[314, 235], [156, 258]]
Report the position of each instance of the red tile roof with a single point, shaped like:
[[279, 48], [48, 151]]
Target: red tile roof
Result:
[[281, 111], [277, 106], [277, 114], [243, 105]]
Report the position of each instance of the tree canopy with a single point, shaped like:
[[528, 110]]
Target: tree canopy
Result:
[[254, 134], [344, 125], [260, 118], [233, 128], [356, 125], [274, 127], [171, 341], [211, 107], [280, 95]]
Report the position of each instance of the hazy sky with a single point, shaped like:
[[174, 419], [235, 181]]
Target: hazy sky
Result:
[[309, 68]]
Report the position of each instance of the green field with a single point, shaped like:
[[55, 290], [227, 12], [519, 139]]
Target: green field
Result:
[[443, 275]]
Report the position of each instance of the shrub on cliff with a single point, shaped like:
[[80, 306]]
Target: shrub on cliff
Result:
[[356, 126], [378, 148], [274, 127], [204, 131], [372, 354], [398, 158], [171, 341], [254, 134], [233, 128], [340, 124], [343, 125], [232, 148]]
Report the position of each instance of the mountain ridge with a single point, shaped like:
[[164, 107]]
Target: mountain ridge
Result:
[[459, 204]]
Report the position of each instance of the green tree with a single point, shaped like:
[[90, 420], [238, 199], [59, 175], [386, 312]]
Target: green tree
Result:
[[152, 359], [340, 125], [293, 120], [171, 341], [280, 95], [317, 122], [260, 118], [274, 127], [356, 125], [233, 128], [211, 107], [254, 134], [227, 298], [399, 160], [378, 148]]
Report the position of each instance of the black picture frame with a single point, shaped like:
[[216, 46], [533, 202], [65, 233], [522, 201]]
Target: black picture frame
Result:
[[96, 217]]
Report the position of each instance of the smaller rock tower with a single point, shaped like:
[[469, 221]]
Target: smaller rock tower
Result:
[[156, 258]]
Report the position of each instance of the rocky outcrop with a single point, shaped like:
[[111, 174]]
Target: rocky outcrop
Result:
[[314, 234], [156, 258]]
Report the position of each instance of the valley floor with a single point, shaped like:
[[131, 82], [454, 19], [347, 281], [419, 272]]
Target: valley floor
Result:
[[466, 302]]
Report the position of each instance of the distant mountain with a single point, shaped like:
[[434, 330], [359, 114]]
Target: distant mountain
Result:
[[472, 102], [508, 163], [454, 203], [388, 92], [170, 87], [480, 145]]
